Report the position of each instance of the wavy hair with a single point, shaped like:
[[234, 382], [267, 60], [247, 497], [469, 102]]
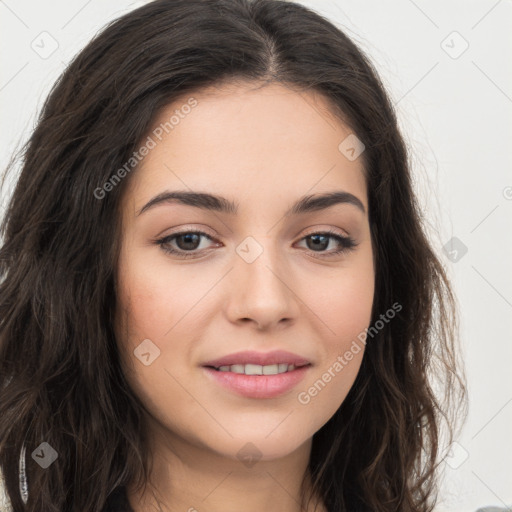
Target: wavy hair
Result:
[[60, 375]]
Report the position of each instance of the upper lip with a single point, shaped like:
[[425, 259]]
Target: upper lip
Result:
[[261, 358]]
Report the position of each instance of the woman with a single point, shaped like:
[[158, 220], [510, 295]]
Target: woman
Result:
[[217, 293]]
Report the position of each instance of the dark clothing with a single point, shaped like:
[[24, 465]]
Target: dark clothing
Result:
[[117, 501]]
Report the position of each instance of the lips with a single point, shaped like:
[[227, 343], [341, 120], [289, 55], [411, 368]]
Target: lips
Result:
[[257, 386], [257, 358]]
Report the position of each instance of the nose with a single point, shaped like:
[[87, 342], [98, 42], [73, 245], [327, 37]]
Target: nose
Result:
[[262, 291]]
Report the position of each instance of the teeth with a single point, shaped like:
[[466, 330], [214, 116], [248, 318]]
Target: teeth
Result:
[[282, 367], [256, 369]]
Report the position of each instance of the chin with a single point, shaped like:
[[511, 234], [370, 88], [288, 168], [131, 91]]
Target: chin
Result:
[[253, 445]]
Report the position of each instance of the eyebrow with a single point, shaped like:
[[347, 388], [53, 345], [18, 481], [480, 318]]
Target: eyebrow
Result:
[[205, 201]]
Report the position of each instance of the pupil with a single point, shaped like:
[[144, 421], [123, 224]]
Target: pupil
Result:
[[187, 237], [315, 238]]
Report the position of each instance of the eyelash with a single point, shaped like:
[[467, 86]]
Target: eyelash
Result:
[[347, 243]]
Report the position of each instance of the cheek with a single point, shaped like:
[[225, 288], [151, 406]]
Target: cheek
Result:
[[154, 304], [343, 303], [155, 296]]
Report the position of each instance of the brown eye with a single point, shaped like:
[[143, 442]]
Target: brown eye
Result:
[[186, 242], [318, 242]]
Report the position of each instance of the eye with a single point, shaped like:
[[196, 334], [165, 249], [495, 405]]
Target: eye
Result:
[[188, 243], [320, 240]]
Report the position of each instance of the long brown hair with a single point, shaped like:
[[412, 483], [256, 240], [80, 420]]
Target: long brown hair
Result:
[[60, 375]]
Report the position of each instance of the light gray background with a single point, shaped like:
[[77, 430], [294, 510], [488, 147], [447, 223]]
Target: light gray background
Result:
[[455, 110]]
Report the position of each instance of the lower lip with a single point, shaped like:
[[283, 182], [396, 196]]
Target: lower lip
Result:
[[259, 386]]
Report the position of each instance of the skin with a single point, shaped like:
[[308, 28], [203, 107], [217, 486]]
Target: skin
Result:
[[263, 147]]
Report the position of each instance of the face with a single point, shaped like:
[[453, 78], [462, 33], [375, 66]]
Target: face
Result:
[[197, 281]]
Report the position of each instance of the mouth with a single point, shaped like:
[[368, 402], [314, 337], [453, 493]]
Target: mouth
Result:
[[257, 369], [257, 381], [254, 359]]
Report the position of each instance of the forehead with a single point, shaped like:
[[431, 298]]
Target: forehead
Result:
[[248, 141]]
